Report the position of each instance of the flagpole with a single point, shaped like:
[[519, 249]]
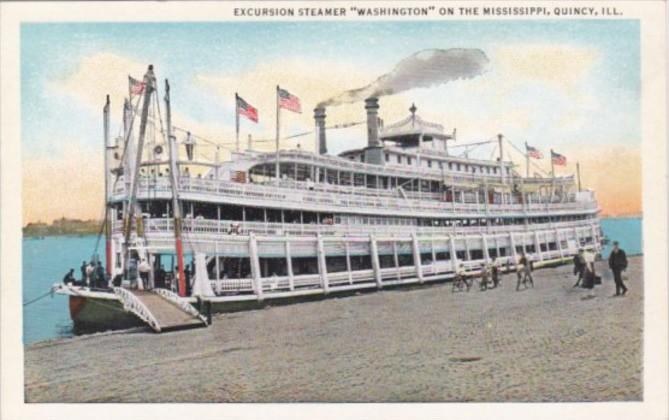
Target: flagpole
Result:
[[278, 108], [578, 175], [552, 176], [237, 121], [527, 162]]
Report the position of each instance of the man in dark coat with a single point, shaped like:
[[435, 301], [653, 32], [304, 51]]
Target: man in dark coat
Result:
[[618, 264], [579, 267]]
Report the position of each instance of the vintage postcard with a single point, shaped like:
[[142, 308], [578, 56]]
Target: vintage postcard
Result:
[[454, 203]]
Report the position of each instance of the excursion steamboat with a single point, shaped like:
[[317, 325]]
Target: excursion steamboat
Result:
[[183, 233]]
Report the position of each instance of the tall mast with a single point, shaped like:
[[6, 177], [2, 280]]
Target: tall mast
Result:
[[149, 87], [236, 122], [527, 162], [278, 113], [107, 147], [175, 199], [501, 155]]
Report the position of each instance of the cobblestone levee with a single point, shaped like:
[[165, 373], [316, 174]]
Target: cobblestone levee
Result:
[[550, 343]]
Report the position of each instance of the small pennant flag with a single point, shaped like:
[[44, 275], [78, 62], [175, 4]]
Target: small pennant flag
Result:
[[247, 110], [136, 86], [558, 159], [533, 152], [289, 102]]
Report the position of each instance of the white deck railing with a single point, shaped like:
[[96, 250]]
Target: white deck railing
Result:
[[266, 195], [224, 227]]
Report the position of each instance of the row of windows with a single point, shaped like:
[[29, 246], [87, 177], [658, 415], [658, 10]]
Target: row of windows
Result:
[[162, 209], [452, 166]]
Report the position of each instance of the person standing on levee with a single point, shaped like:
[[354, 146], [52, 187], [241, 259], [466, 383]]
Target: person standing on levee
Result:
[[618, 264]]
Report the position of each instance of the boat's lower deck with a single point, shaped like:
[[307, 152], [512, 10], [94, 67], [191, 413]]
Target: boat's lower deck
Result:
[[93, 310]]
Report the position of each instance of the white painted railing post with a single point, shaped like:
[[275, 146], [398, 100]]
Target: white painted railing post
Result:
[[416, 257], [558, 242], [376, 265], [514, 253], [454, 254], [322, 265], [396, 259], [348, 261], [484, 243], [255, 267], [289, 266]]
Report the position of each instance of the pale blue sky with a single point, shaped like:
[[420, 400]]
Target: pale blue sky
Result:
[[569, 85], [49, 52]]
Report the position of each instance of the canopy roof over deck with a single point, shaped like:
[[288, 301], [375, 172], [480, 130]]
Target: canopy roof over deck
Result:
[[408, 131]]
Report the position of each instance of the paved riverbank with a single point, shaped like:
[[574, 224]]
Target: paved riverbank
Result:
[[550, 343]]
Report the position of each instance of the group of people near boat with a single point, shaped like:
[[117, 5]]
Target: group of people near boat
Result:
[[587, 277], [584, 269], [93, 275]]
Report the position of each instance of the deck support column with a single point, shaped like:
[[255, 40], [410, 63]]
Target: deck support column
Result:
[[255, 267], [348, 261], [514, 254], [396, 259], [289, 266], [537, 246], [375, 261], [322, 266], [558, 242], [453, 252], [484, 243], [416, 258]]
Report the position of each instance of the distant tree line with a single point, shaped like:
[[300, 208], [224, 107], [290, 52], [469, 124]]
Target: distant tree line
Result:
[[62, 226]]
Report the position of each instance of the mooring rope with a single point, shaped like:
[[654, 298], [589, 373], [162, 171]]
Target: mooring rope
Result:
[[49, 293]]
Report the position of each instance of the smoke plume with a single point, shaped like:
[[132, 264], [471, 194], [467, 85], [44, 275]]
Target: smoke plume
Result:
[[422, 69]]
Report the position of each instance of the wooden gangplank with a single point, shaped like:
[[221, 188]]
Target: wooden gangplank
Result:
[[160, 309]]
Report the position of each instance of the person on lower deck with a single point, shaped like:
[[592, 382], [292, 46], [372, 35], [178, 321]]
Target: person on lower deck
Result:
[[618, 264], [69, 277], [579, 267], [90, 270], [83, 273], [144, 269], [100, 276]]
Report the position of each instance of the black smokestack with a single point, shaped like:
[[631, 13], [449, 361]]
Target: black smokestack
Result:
[[319, 118], [372, 107], [422, 69]]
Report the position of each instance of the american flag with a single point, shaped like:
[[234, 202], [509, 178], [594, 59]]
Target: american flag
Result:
[[247, 110], [533, 152], [558, 159], [136, 86], [289, 102]]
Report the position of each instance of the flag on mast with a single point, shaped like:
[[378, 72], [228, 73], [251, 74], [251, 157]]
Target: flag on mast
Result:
[[533, 152], [558, 159], [136, 87], [245, 109], [289, 101]]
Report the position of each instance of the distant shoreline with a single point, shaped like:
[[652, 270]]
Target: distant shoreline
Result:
[[62, 227]]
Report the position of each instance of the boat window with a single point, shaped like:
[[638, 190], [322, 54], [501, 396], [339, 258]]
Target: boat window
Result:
[[399, 158], [408, 160], [429, 163], [387, 157]]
